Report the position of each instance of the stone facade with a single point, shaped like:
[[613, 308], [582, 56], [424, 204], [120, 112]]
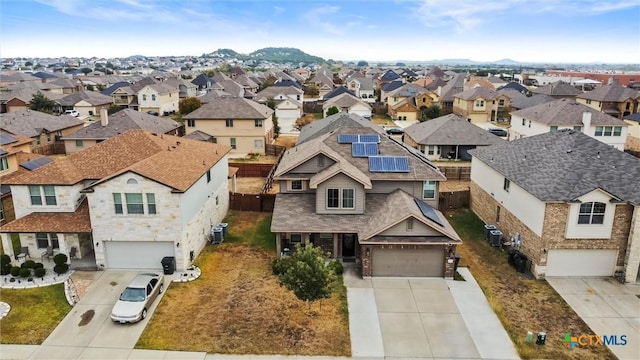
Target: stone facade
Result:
[[632, 259], [8, 212]]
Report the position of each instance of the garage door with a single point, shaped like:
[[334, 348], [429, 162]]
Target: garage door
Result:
[[581, 262], [137, 254], [406, 262]]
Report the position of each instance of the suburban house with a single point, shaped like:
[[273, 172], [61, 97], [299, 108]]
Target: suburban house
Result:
[[399, 95], [569, 202], [86, 103], [480, 105], [158, 197], [448, 137], [333, 122], [362, 196], [558, 90], [362, 87], [348, 103], [45, 130], [185, 88], [568, 114], [323, 80], [614, 100], [288, 104], [114, 124], [159, 98], [241, 123]]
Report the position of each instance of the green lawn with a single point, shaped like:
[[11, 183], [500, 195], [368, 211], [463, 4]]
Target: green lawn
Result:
[[34, 314]]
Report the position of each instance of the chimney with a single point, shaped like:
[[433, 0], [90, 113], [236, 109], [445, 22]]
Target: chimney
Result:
[[104, 117], [586, 122]]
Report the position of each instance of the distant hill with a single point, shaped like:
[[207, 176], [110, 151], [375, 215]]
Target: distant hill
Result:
[[275, 54]]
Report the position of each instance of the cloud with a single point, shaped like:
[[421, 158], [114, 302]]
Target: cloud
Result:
[[278, 10], [320, 17]]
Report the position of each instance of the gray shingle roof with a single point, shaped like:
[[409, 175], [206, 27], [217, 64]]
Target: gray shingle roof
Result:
[[344, 100], [528, 101], [92, 97], [477, 92], [564, 165], [122, 121], [230, 108], [566, 112], [613, 93], [273, 91], [450, 130], [30, 123], [322, 126], [558, 88]]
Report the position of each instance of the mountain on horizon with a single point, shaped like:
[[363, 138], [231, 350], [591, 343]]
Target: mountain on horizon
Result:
[[274, 54]]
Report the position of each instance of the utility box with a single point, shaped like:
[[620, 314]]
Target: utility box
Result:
[[217, 236], [495, 237], [168, 264], [487, 229], [224, 227]]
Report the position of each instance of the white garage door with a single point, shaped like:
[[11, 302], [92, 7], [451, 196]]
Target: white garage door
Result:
[[406, 262], [581, 262], [137, 254]]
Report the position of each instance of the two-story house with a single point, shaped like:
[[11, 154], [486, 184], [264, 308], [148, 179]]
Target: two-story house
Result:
[[480, 105], [361, 196], [568, 114], [288, 104], [570, 203], [125, 203], [558, 90], [615, 100], [241, 123], [86, 103], [160, 98], [362, 87], [397, 101]]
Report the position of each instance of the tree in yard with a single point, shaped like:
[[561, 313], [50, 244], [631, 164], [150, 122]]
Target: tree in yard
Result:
[[271, 103], [332, 110], [269, 81], [362, 63], [188, 105], [28, 63], [85, 70], [90, 87], [100, 87], [112, 109], [307, 275], [276, 126], [42, 103], [311, 90], [430, 112]]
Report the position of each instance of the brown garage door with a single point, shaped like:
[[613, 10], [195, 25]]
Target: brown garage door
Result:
[[408, 262]]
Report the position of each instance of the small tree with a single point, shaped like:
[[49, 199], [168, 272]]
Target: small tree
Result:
[[276, 126], [271, 103], [41, 103], [5, 264], [85, 70], [269, 81], [90, 87], [188, 105], [307, 276], [430, 112], [112, 109], [332, 110], [61, 266], [311, 90]]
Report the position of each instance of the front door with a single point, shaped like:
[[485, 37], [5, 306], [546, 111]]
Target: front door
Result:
[[348, 246]]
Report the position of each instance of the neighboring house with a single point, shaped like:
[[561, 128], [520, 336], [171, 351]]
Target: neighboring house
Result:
[[160, 198], [86, 103], [45, 130], [118, 123], [366, 198], [241, 123], [447, 92], [475, 82], [362, 87], [203, 83], [160, 98], [402, 93], [448, 137], [337, 91], [570, 202], [333, 122], [558, 90], [185, 88], [523, 102], [568, 114], [288, 102], [349, 104], [480, 105], [633, 131], [323, 80], [221, 82], [387, 77], [615, 100]]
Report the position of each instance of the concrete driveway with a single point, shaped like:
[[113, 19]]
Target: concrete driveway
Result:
[[607, 307], [96, 334]]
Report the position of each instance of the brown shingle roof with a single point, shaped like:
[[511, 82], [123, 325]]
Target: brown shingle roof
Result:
[[566, 112], [31, 123], [558, 88], [230, 108], [613, 93], [56, 222]]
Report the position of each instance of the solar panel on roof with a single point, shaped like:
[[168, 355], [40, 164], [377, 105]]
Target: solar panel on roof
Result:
[[375, 163], [429, 212], [388, 164], [36, 163], [6, 139], [347, 138], [2, 152], [402, 163], [369, 138], [360, 149]]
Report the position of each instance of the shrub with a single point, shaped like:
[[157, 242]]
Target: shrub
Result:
[[25, 272], [61, 268], [39, 272], [38, 265], [29, 264], [15, 271], [60, 259], [5, 264], [336, 267], [280, 265]]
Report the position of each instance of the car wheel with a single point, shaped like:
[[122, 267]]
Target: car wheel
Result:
[[161, 290], [144, 313]]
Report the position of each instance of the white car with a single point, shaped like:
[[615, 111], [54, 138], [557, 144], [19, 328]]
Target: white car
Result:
[[72, 113], [136, 299]]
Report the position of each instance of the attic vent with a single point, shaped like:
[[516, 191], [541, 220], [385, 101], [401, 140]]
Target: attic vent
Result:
[[569, 151]]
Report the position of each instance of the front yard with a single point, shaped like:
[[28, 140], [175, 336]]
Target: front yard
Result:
[[238, 307], [521, 303]]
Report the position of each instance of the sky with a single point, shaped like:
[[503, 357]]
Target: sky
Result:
[[561, 31]]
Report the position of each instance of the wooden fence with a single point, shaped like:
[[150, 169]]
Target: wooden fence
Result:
[[251, 169], [50, 149], [274, 150], [456, 172], [454, 199], [252, 202]]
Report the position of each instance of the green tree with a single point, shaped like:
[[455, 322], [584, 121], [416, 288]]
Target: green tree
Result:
[[85, 70], [188, 105], [307, 275], [311, 90], [276, 126], [90, 87], [28, 63], [271, 103], [430, 112], [362, 63], [112, 109], [269, 81], [100, 87], [41, 103], [332, 110]]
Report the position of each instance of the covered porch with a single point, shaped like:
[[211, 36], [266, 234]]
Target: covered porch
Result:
[[341, 246]]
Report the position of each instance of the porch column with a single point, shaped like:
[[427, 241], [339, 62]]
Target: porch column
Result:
[[278, 245], [305, 239], [335, 245], [457, 153], [62, 242], [7, 245]]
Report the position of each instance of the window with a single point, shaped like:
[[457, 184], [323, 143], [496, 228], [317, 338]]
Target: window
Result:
[[48, 137], [333, 198], [43, 240], [506, 184], [117, 203], [208, 176], [298, 97], [523, 122], [410, 224], [599, 130], [144, 97], [4, 164], [257, 143], [229, 123], [429, 189], [577, 128], [617, 131], [1, 212], [592, 213], [529, 123], [479, 103], [498, 214], [432, 150], [132, 181], [153, 97], [588, 101], [348, 198], [553, 129], [49, 195], [35, 193], [151, 203], [422, 148], [296, 184], [79, 143], [191, 123], [134, 203], [501, 102], [608, 130], [257, 123], [217, 200], [296, 238], [232, 142]]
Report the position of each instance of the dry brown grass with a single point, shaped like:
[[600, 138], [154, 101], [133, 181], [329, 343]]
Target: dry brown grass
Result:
[[454, 185], [382, 120], [253, 185], [288, 141], [522, 304], [238, 307]]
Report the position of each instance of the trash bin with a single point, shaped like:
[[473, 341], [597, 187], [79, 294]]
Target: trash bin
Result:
[[512, 254], [168, 264], [520, 262], [541, 338], [487, 229], [456, 260], [495, 237], [224, 227], [217, 235]]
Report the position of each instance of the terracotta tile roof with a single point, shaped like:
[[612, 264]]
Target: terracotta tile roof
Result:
[[56, 222], [170, 160]]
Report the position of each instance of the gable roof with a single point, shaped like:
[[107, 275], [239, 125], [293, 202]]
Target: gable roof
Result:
[[389, 75], [528, 101], [476, 93], [612, 93], [515, 86], [173, 161], [450, 130], [337, 91], [124, 120], [407, 90], [366, 83], [273, 91], [345, 101], [330, 123], [31, 123], [558, 88], [564, 165], [566, 112], [230, 108], [391, 85], [109, 91], [92, 97]]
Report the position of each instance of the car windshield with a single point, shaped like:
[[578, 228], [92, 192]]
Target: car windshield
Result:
[[132, 294]]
